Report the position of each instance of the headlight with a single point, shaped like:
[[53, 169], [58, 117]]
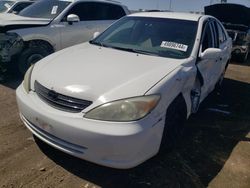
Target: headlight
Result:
[[26, 81], [124, 110]]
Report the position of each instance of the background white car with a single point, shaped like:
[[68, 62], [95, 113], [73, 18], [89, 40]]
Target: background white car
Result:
[[49, 26], [14, 6], [120, 98]]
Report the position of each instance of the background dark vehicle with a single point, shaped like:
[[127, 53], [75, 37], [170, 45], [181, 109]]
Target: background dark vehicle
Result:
[[236, 19]]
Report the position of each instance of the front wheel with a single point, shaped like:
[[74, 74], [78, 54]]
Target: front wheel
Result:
[[30, 56]]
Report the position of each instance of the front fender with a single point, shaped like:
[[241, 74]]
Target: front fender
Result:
[[180, 81], [46, 34]]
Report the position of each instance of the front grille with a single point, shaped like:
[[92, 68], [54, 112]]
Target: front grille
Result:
[[60, 101]]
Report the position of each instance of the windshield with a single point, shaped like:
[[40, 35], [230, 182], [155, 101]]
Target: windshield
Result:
[[45, 9], [163, 37], [5, 5]]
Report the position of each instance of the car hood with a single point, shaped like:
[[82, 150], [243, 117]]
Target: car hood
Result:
[[230, 13], [13, 21], [101, 74]]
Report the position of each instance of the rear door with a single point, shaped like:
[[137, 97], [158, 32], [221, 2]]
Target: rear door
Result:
[[225, 45]]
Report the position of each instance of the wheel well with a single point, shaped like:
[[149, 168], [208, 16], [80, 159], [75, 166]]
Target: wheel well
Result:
[[227, 64], [39, 43], [200, 77], [181, 101]]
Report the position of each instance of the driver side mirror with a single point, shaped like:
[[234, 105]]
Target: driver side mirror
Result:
[[96, 34], [71, 18], [211, 53]]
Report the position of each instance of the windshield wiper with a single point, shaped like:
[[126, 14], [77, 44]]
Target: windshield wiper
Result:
[[133, 50], [96, 43], [124, 49], [100, 44], [144, 52]]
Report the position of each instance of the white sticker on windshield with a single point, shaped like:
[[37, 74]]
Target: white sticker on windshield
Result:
[[7, 5], [54, 10], [174, 45]]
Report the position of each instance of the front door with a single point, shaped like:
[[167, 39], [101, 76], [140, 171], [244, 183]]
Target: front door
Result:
[[208, 68]]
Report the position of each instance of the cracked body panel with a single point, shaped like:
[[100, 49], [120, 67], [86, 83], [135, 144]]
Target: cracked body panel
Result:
[[11, 44]]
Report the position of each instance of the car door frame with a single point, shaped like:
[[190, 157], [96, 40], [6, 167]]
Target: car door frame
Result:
[[205, 67], [87, 27]]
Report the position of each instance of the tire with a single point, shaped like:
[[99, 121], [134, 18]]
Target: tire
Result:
[[30, 56], [176, 116], [243, 58]]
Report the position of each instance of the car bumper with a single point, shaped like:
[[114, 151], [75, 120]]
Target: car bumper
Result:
[[112, 144]]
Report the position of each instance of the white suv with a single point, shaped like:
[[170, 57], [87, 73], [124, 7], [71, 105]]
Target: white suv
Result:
[[49, 26], [120, 98]]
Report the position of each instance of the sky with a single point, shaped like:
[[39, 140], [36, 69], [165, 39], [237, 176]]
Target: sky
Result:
[[176, 5]]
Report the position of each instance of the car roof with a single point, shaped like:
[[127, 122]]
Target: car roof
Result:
[[172, 15], [107, 1], [22, 0]]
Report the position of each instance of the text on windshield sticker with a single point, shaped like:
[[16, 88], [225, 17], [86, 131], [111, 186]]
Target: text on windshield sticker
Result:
[[54, 10], [174, 45]]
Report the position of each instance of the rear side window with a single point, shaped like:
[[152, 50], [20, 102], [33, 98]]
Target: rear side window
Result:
[[221, 33], [97, 11], [207, 39], [216, 34]]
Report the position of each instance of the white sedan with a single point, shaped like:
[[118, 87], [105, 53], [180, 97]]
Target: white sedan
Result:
[[120, 98]]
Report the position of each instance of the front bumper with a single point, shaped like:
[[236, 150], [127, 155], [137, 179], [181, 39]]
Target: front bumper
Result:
[[112, 144]]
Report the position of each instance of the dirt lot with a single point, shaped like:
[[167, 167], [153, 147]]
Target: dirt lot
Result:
[[215, 151]]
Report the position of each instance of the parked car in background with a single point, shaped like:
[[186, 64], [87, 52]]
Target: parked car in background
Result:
[[14, 6], [49, 26], [236, 19], [118, 99], [241, 42]]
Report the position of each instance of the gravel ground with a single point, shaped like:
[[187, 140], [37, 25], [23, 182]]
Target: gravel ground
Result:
[[215, 150]]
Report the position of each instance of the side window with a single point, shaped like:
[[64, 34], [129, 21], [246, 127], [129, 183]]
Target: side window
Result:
[[88, 11], [20, 7], [81, 10], [114, 12], [216, 34], [222, 34], [207, 38]]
